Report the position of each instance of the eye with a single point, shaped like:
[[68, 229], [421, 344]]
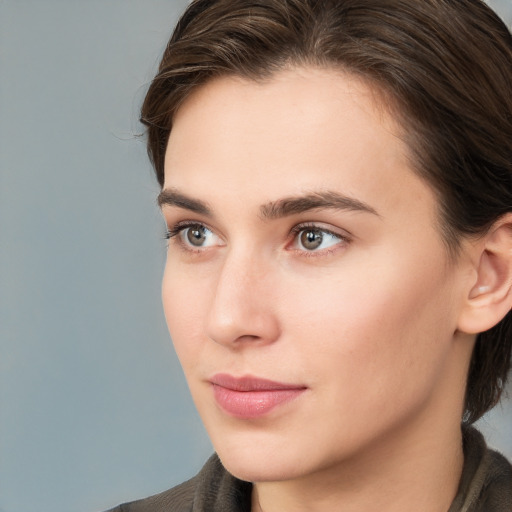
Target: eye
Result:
[[315, 239], [194, 236]]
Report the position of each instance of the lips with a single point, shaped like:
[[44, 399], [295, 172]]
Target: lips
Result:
[[251, 397]]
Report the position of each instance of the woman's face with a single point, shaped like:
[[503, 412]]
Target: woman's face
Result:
[[307, 290]]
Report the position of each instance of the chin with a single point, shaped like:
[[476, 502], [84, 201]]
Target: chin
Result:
[[264, 458], [253, 468]]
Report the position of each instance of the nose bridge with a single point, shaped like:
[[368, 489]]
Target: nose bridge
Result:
[[241, 308]]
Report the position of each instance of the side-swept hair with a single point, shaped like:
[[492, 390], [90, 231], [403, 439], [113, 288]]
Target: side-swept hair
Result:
[[444, 68]]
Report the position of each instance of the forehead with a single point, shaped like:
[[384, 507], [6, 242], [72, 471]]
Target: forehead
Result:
[[303, 129], [308, 92], [292, 106]]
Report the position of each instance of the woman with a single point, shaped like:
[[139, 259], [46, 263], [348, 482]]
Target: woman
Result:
[[337, 184]]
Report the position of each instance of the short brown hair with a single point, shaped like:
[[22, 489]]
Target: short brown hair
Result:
[[445, 67]]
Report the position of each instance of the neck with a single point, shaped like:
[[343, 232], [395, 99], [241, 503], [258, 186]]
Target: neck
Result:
[[417, 469], [414, 465]]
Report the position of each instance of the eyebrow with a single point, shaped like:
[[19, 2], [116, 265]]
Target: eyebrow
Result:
[[312, 201], [274, 209], [172, 197]]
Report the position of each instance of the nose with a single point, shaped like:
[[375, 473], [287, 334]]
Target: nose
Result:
[[241, 310]]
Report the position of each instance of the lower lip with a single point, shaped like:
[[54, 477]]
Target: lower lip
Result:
[[252, 404]]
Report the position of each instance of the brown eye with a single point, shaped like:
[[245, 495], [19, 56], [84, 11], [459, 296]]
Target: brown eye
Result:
[[193, 236], [311, 239], [315, 239], [196, 235]]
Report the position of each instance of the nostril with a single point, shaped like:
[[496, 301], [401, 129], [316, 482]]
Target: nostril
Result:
[[248, 337], [237, 330]]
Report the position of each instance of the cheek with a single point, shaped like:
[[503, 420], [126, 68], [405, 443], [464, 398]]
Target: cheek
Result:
[[184, 301], [382, 322]]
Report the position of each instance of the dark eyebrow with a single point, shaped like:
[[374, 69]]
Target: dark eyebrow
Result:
[[274, 209], [172, 197], [316, 200]]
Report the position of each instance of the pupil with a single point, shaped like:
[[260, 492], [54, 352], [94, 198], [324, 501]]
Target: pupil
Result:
[[196, 236], [311, 239]]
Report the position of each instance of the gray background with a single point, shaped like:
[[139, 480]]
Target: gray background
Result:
[[93, 406]]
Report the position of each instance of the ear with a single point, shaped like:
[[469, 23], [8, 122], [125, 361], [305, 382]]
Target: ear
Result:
[[490, 294]]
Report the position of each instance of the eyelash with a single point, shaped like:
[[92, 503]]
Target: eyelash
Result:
[[309, 226], [180, 226], [175, 230]]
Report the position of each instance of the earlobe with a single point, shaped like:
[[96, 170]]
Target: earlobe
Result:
[[490, 296]]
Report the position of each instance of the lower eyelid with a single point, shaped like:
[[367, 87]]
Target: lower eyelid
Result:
[[340, 242], [178, 233]]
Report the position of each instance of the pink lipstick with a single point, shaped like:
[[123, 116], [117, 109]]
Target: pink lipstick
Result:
[[251, 397]]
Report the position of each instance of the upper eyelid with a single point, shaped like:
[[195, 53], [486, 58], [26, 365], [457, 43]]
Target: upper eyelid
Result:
[[174, 231], [344, 238], [174, 228], [320, 226]]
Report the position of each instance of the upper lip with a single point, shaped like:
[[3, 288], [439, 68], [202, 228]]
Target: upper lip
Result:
[[250, 383]]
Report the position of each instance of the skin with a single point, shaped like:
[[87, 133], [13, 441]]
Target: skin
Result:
[[367, 322]]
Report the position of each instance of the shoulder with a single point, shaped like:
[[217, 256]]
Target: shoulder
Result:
[[212, 489], [486, 483], [496, 495], [177, 499]]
